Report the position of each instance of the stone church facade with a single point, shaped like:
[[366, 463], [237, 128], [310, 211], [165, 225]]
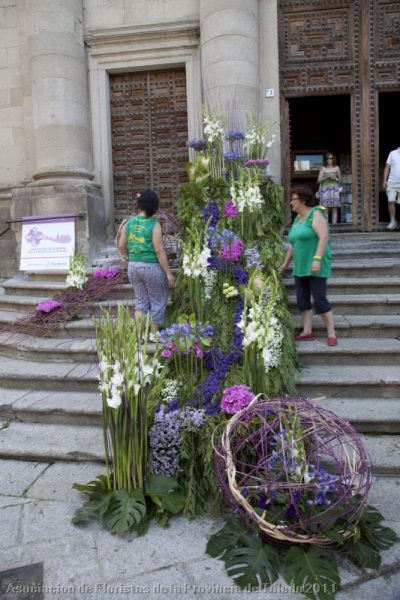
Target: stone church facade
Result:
[[98, 98]]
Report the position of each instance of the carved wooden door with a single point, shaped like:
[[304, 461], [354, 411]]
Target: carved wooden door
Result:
[[149, 134], [339, 47]]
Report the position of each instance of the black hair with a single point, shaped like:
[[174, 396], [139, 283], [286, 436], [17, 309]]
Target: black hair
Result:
[[148, 201], [305, 194]]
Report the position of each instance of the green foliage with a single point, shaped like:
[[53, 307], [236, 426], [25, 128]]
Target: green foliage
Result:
[[233, 534], [371, 537], [125, 511], [313, 570], [164, 492], [188, 207], [252, 565]]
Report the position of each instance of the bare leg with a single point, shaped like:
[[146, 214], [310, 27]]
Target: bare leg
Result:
[[328, 320], [334, 216], [306, 317], [392, 210]]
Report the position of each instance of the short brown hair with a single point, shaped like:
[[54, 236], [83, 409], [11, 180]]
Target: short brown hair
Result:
[[305, 194], [333, 159]]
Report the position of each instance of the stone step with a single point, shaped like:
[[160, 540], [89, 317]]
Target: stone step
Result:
[[48, 443], [374, 415], [350, 351], [43, 289], [366, 268], [361, 304], [340, 381], [367, 251], [357, 326], [356, 285], [36, 375], [75, 350], [44, 406]]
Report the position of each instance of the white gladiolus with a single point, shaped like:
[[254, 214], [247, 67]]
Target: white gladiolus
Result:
[[266, 334], [195, 263], [114, 401], [212, 129]]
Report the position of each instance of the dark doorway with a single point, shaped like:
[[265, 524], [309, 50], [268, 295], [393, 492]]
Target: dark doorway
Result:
[[320, 124], [389, 139]]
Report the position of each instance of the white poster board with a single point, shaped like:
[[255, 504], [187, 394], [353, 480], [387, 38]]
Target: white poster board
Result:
[[47, 244]]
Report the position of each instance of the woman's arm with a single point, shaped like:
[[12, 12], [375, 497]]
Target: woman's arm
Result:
[[320, 227], [161, 254], [320, 175], [123, 243], [287, 260], [339, 175]]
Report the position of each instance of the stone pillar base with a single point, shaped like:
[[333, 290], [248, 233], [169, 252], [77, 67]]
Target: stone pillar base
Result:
[[67, 197]]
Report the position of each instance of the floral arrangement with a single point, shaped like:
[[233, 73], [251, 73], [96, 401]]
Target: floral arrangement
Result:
[[109, 273], [130, 493], [299, 475], [235, 398], [77, 275]]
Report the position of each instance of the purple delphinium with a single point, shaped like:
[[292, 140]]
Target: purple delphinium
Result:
[[233, 155], [198, 145], [105, 273], [211, 214], [234, 135], [46, 306]]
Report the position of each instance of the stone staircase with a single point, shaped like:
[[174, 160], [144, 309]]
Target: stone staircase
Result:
[[51, 409]]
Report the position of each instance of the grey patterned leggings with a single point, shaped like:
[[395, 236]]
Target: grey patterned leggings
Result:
[[150, 285]]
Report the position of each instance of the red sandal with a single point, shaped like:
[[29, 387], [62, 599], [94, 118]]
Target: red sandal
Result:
[[304, 337], [332, 341]]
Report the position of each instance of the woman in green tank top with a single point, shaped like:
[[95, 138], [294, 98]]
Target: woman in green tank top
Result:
[[310, 248], [148, 269]]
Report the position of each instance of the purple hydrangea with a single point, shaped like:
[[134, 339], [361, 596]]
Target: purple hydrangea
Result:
[[234, 135], [235, 398], [253, 258], [231, 251], [46, 306], [233, 155]]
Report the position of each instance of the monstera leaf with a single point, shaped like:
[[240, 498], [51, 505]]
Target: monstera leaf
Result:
[[125, 511], [233, 533], [163, 492], [313, 570], [363, 554], [373, 532], [99, 494], [252, 564]]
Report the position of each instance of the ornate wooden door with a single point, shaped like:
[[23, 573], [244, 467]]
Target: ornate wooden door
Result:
[[149, 134], [337, 47]]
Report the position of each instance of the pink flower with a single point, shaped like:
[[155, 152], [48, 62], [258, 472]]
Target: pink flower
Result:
[[47, 306], [230, 210], [235, 398], [231, 251], [166, 353], [106, 273], [198, 351]]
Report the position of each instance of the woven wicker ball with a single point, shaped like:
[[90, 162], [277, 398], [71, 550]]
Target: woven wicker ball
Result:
[[293, 467]]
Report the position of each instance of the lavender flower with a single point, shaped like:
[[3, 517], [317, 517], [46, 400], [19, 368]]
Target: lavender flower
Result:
[[253, 258], [233, 135], [256, 162], [233, 155]]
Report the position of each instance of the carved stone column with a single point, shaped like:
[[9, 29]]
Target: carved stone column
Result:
[[230, 56], [59, 89]]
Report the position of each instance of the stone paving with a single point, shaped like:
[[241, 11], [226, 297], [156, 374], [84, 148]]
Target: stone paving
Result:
[[36, 505]]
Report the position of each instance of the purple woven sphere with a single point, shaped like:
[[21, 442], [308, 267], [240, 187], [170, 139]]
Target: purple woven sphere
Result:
[[295, 468]]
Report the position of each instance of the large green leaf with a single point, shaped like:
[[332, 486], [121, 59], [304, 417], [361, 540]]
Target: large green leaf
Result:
[[98, 503], [163, 492], [313, 570], [380, 537], [98, 485], [125, 511], [363, 554], [234, 532], [252, 565]]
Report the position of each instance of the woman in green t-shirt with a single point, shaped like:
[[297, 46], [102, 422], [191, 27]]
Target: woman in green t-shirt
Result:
[[148, 269], [310, 248]]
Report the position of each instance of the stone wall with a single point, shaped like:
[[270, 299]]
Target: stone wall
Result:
[[54, 123]]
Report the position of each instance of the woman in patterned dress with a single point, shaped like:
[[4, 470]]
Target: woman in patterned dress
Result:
[[329, 186]]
